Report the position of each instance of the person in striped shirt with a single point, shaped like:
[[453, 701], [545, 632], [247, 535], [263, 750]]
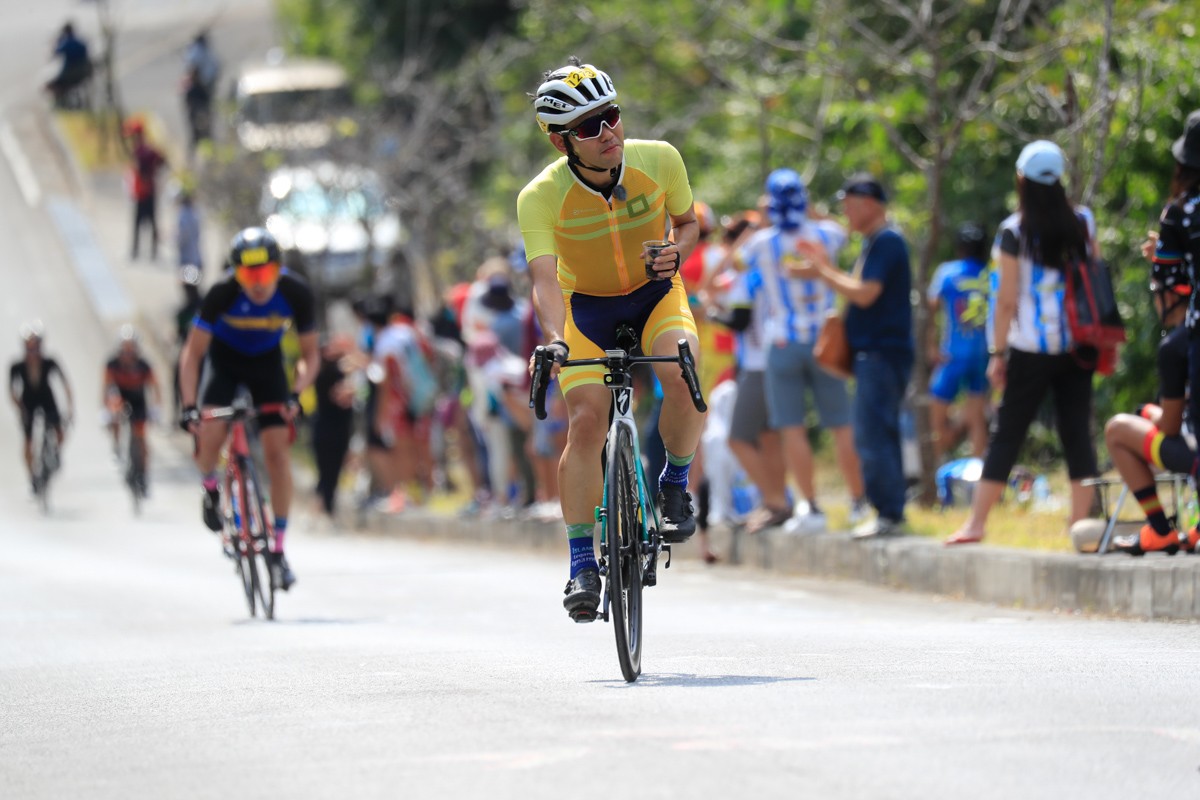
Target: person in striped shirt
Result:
[[795, 311]]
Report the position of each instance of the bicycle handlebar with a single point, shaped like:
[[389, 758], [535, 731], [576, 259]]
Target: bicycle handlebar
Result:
[[242, 412], [542, 364]]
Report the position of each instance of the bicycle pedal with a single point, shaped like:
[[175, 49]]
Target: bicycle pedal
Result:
[[583, 615]]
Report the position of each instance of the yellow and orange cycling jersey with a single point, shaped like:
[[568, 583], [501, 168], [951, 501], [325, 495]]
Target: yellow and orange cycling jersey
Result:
[[599, 246]]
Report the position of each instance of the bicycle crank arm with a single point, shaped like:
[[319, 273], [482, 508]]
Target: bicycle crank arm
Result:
[[604, 610]]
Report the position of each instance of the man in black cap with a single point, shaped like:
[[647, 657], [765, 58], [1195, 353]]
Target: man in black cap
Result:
[[879, 329]]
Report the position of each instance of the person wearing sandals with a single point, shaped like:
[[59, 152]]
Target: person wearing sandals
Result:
[[1033, 354]]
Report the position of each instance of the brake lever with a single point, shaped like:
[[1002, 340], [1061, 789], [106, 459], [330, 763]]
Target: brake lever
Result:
[[688, 367]]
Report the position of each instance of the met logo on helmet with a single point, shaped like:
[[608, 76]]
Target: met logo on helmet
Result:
[[554, 102]]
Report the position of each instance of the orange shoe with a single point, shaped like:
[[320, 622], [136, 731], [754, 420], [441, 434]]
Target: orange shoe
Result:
[[1193, 538], [1147, 541]]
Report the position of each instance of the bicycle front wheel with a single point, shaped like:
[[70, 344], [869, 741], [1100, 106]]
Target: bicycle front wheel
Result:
[[623, 552], [243, 546], [257, 521]]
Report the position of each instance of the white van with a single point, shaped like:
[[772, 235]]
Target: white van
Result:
[[290, 105]]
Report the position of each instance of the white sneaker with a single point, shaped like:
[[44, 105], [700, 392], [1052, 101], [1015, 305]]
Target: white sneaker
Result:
[[810, 522], [860, 512]]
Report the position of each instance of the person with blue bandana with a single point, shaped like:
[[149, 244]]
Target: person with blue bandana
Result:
[[236, 338], [959, 288], [796, 307]]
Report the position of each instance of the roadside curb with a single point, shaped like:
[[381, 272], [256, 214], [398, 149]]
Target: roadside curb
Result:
[[1152, 587]]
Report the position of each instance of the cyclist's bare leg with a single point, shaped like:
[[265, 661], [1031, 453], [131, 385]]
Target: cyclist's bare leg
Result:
[[939, 420], [208, 444], [681, 424], [277, 460], [977, 429], [580, 479]]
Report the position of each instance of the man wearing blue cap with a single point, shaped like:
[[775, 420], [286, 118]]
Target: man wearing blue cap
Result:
[[879, 329], [796, 307]]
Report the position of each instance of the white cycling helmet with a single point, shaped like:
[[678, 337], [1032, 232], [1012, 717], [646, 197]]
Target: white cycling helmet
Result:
[[570, 92]]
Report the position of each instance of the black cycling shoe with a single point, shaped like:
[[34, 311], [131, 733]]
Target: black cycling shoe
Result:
[[583, 596], [282, 576], [212, 509], [675, 506]]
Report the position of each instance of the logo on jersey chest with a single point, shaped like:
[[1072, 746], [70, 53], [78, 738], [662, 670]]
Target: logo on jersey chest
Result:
[[637, 206]]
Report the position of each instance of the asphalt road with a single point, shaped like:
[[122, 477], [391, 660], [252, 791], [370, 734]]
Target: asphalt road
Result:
[[129, 669]]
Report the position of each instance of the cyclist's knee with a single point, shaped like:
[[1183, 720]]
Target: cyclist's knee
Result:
[[588, 423]]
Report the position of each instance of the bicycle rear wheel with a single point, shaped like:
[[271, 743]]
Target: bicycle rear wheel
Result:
[[623, 552], [257, 520]]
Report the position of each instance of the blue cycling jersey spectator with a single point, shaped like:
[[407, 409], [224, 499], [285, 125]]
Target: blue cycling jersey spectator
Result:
[[959, 288]]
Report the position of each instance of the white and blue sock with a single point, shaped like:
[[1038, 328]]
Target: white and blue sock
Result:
[[583, 553], [676, 469]]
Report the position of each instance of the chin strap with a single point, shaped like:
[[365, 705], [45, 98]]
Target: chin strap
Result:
[[574, 161]]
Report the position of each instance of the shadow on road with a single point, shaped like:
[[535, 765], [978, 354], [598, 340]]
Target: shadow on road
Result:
[[306, 621], [691, 680]]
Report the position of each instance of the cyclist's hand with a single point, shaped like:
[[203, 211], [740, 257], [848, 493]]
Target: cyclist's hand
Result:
[[559, 352], [189, 420], [667, 263]]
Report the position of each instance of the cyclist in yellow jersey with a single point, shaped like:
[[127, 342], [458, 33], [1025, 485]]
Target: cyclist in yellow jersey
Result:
[[584, 219]]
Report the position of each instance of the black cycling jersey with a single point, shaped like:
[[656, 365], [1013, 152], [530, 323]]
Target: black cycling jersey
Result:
[[33, 394], [1173, 365], [1179, 243]]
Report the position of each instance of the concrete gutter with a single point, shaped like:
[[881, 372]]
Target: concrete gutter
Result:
[[1152, 587]]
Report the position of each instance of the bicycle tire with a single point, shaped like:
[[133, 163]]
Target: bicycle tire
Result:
[[242, 547], [44, 464], [135, 474], [623, 552], [257, 521]]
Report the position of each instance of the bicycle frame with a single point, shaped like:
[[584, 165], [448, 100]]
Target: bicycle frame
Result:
[[622, 394]]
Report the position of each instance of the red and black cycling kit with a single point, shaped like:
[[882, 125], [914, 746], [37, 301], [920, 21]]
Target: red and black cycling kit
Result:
[[130, 379], [35, 394], [245, 347]]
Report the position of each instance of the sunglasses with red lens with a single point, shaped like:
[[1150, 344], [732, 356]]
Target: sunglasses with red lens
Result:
[[590, 128]]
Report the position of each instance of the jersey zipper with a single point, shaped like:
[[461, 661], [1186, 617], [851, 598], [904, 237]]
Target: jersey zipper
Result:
[[622, 271]]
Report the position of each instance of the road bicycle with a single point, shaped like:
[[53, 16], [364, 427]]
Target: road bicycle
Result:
[[133, 462], [630, 544], [248, 527], [45, 457]]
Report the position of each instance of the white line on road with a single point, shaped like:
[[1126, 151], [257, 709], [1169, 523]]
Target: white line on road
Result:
[[22, 171], [104, 290]]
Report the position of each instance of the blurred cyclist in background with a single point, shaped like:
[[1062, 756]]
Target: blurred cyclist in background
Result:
[[30, 389], [126, 376]]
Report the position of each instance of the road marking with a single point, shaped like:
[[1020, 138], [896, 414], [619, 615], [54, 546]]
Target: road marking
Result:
[[104, 290], [22, 171]]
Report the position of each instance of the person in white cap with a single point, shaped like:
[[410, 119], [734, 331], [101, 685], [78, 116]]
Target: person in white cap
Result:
[[1032, 351]]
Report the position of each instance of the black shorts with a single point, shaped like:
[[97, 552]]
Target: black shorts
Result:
[[49, 411], [137, 405], [263, 375]]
